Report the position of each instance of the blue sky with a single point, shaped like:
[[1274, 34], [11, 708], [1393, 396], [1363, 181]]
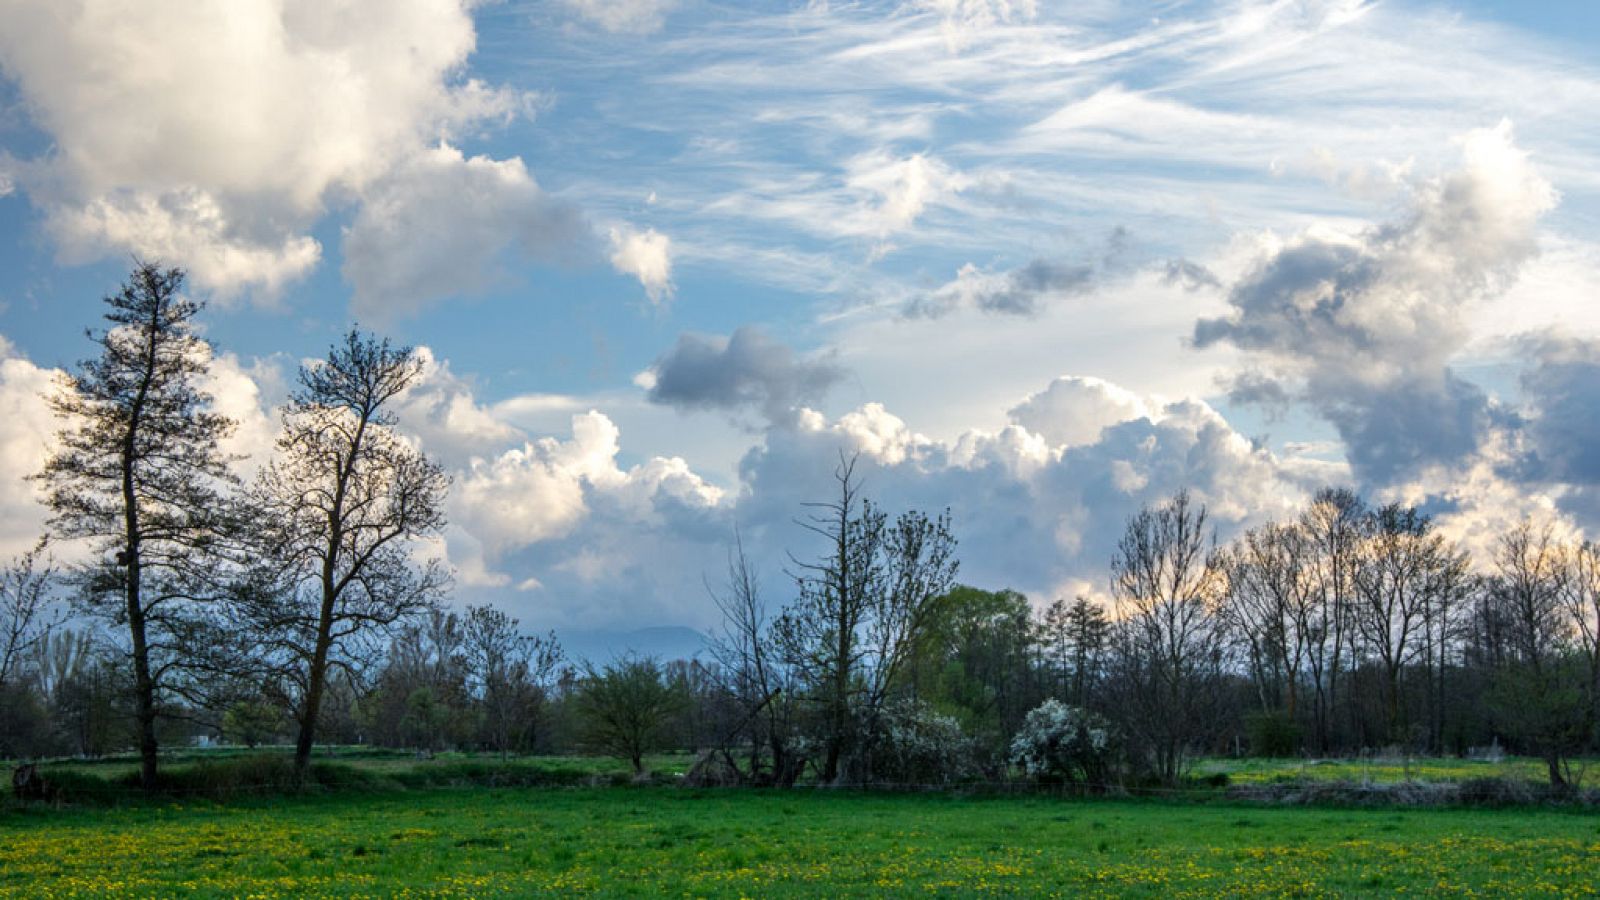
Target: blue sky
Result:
[[1039, 262]]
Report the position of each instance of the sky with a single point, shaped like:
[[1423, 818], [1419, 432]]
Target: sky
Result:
[[668, 261]]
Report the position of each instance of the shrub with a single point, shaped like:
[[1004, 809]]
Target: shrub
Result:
[[1273, 734], [1058, 742], [918, 745]]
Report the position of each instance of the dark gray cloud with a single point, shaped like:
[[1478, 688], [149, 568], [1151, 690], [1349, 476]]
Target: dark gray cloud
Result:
[[746, 371], [1189, 275], [1018, 292], [1024, 290], [1393, 432], [1363, 328], [1562, 391]]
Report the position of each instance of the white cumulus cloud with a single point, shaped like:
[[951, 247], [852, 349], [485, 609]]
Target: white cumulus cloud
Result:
[[647, 256]]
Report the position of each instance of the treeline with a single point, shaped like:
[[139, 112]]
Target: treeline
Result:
[[293, 608]]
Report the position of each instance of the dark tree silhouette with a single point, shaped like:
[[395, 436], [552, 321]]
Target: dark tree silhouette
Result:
[[339, 509], [138, 471]]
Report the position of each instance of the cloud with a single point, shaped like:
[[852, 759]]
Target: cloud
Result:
[[188, 226], [550, 502], [1018, 292], [221, 158], [27, 431], [647, 256], [560, 530], [962, 20], [1073, 411], [1189, 275], [1364, 326], [745, 371], [629, 16], [442, 224], [1562, 390], [1029, 512], [248, 394], [897, 190], [441, 410], [1024, 290]]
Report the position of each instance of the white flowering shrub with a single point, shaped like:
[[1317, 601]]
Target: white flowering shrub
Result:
[[1061, 742], [917, 745]]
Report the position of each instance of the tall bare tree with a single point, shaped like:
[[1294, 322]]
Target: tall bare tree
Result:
[[340, 509], [1582, 601], [1272, 606], [1535, 694], [860, 608], [761, 686], [138, 471], [1168, 580], [1332, 525], [1408, 573]]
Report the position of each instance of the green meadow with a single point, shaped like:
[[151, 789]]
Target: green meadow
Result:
[[658, 840]]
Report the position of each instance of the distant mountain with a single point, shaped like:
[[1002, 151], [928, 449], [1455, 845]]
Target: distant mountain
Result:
[[604, 645]]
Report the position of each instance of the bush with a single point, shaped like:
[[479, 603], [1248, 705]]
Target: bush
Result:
[[1273, 734], [1063, 743], [920, 746]]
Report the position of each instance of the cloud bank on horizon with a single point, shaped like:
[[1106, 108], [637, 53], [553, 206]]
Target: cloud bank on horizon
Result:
[[666, 261]]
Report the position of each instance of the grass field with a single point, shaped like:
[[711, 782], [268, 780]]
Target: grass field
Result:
[[1248, 771], [653, 841], [405, 767]]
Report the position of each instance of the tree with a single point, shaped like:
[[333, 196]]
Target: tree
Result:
[[1074, 635], [759, 684], [860, 609], [509, 673], [340, 508], [138, 472], [26, 618], [1407, 578], [974, 660], [1168, 582], [1332, 525], [1272, 608], [1535, 694], [623, 708], [251, 722], [1581, 599]]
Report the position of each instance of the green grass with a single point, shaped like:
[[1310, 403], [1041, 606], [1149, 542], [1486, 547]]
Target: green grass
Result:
[[230, 773], [654, 840], [1247, 771]]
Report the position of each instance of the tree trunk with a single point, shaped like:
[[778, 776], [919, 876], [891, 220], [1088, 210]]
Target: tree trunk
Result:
[[1558, 778], [143, 684], [315, 679]]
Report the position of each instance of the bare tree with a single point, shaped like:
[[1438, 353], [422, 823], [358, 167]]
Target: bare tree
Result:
[[1535, 695], [1582, 601], [340, 509], [1407, 570], [1272, 605], [1168, 581], [760, 685], [26, 610], [510, 674], [139, 473], [1332, 525], [860, 608]]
